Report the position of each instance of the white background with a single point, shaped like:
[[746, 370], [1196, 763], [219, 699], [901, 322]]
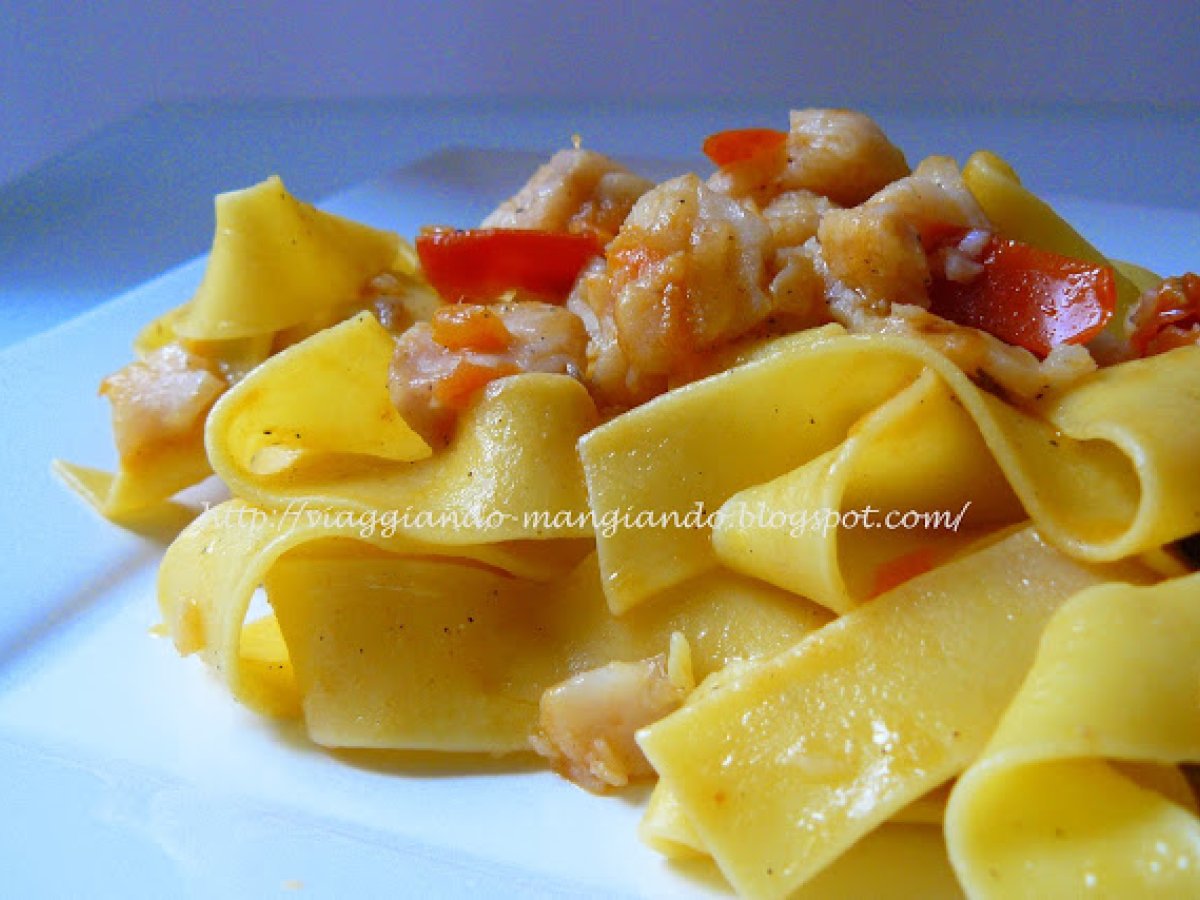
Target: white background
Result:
[[67, 69]]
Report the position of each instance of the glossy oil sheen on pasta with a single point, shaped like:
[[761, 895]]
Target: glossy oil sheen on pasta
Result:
[[781, 766], [1009, 723]]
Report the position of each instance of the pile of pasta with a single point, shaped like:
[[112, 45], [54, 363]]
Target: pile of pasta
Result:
[[1011, 722]]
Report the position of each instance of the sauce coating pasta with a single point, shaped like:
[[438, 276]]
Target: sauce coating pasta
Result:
[[840, 499]]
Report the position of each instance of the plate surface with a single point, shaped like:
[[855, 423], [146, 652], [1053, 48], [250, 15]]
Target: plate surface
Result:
[[139, 769]]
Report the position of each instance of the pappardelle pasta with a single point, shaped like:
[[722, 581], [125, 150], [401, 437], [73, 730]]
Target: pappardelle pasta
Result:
[[853, 505]]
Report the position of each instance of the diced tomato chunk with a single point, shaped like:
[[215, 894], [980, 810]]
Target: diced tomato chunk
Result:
[[1029, 297], [481, 265], [457, 389], [742, 144]]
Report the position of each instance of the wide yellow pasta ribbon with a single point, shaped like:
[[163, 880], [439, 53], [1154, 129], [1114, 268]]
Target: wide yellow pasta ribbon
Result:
[[413, 654], [666, 827], [916, 455], [1048, 810], [316, 424], [788, 762], [418, 648], [137, 497], [278, 268], [902, 859], [277, 262], [210, 573], [1104, 470], [696, 446]]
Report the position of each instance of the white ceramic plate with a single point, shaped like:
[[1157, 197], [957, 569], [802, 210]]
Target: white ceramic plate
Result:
[[129, 772]]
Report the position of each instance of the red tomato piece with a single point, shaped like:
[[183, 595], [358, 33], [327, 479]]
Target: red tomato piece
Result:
[[1168, 318], [895, 572], [479, 265], [742, 144], [1030, 298], [457, 389]]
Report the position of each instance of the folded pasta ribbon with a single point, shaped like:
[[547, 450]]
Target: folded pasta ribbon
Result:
[[315, 425], [784, 764], [277, 262], [401, 644], [211, 571], [918, 456], [1052, 808], [139, 496], [1103, 472], [327, 394], [897, 861], [279, 270]]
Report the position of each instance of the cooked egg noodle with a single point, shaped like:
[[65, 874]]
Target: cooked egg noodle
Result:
[[278, 266], [1103, 470], [1053, 807], [782, 765]]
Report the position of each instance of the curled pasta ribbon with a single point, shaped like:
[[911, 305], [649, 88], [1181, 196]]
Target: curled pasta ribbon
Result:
[[332, 414], [278, 267], [1052, 807], [277, 262], [897, 861], [315, 424], [261, 426], [1102, 473], [397, 644], [784, 764], [138, 496], [211, 571], [666, 828], [917, 452]]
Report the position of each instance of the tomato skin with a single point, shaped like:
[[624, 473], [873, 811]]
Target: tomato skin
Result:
[[742, 144], [1030, 298], [1168, 317], [458, 389], [479, 265], [895, 572]]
